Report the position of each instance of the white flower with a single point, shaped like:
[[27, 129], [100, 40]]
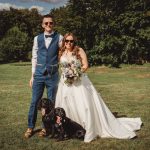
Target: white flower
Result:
[[71, 71]]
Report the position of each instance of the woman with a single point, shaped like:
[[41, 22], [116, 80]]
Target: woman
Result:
[[77, 95]]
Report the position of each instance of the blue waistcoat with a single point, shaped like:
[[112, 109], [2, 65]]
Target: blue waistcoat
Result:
[[47, 58]]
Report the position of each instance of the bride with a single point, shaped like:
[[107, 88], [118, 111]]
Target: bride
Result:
[[77, 95]]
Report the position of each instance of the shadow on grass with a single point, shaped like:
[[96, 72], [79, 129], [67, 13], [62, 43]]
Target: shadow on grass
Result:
[[118, 116], [36, 131]]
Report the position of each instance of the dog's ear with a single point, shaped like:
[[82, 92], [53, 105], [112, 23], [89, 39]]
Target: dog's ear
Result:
[[53, 115], [39, 105], [64, 112], [51, 104]]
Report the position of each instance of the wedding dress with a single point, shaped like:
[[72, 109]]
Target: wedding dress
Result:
[[84, 105]]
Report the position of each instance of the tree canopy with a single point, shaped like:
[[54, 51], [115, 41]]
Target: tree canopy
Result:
[[111, 32]]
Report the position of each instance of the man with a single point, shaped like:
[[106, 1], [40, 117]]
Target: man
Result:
[[44, 69]]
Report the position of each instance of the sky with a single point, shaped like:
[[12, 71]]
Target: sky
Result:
[[43, 6]]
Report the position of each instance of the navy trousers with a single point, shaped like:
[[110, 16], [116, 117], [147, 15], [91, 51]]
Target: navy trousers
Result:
[[39, 84]]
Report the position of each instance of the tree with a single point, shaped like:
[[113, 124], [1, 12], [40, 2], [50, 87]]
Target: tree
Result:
[[13, 47], [27, 22]]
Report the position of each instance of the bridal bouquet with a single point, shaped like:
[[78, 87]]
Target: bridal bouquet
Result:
[[71, 71]]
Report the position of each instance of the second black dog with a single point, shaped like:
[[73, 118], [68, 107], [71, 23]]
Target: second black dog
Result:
[[64, 127]]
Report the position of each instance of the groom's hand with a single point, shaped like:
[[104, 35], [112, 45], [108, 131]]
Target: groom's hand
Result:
[[31, 81]]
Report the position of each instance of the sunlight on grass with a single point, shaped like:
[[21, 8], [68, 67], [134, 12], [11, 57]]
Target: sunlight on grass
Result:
[[125, 90]]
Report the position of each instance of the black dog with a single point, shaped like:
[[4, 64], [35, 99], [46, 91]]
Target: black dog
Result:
[[64, 127], [46, 106]]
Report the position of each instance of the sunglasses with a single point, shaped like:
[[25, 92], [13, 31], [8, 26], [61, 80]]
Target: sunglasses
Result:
[[46, 23], [71, 41]]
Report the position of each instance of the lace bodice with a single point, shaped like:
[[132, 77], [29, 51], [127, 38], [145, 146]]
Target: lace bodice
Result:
[[67, 59]]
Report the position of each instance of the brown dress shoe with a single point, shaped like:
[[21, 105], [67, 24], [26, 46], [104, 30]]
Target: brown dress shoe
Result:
[[28, 133], [42, 133]]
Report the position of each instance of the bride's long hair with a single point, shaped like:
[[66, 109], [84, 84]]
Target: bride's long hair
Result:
[[75, 48]]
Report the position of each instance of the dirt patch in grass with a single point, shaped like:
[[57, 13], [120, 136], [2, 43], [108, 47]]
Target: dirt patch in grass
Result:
[[143, 75], [101, 69]]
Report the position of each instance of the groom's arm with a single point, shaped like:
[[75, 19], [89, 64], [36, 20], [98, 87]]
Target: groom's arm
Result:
[[60, 40], [34, 59], [34, 54]]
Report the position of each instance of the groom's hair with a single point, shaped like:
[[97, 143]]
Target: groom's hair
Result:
[[47, 16]]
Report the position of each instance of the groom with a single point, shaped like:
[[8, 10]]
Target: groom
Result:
[[44, 69]]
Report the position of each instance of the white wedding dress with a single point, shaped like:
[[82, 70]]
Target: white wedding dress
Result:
[[84, 105]]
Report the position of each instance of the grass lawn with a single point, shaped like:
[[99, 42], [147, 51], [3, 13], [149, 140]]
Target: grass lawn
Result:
[[125, 90]]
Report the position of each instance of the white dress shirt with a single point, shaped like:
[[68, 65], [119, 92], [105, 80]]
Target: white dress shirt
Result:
[[35, 48]]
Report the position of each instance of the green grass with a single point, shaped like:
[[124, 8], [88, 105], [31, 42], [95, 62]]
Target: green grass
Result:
[[125, 90]]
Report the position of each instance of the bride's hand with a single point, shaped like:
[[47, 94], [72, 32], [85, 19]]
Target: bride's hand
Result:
[[83, 69]]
